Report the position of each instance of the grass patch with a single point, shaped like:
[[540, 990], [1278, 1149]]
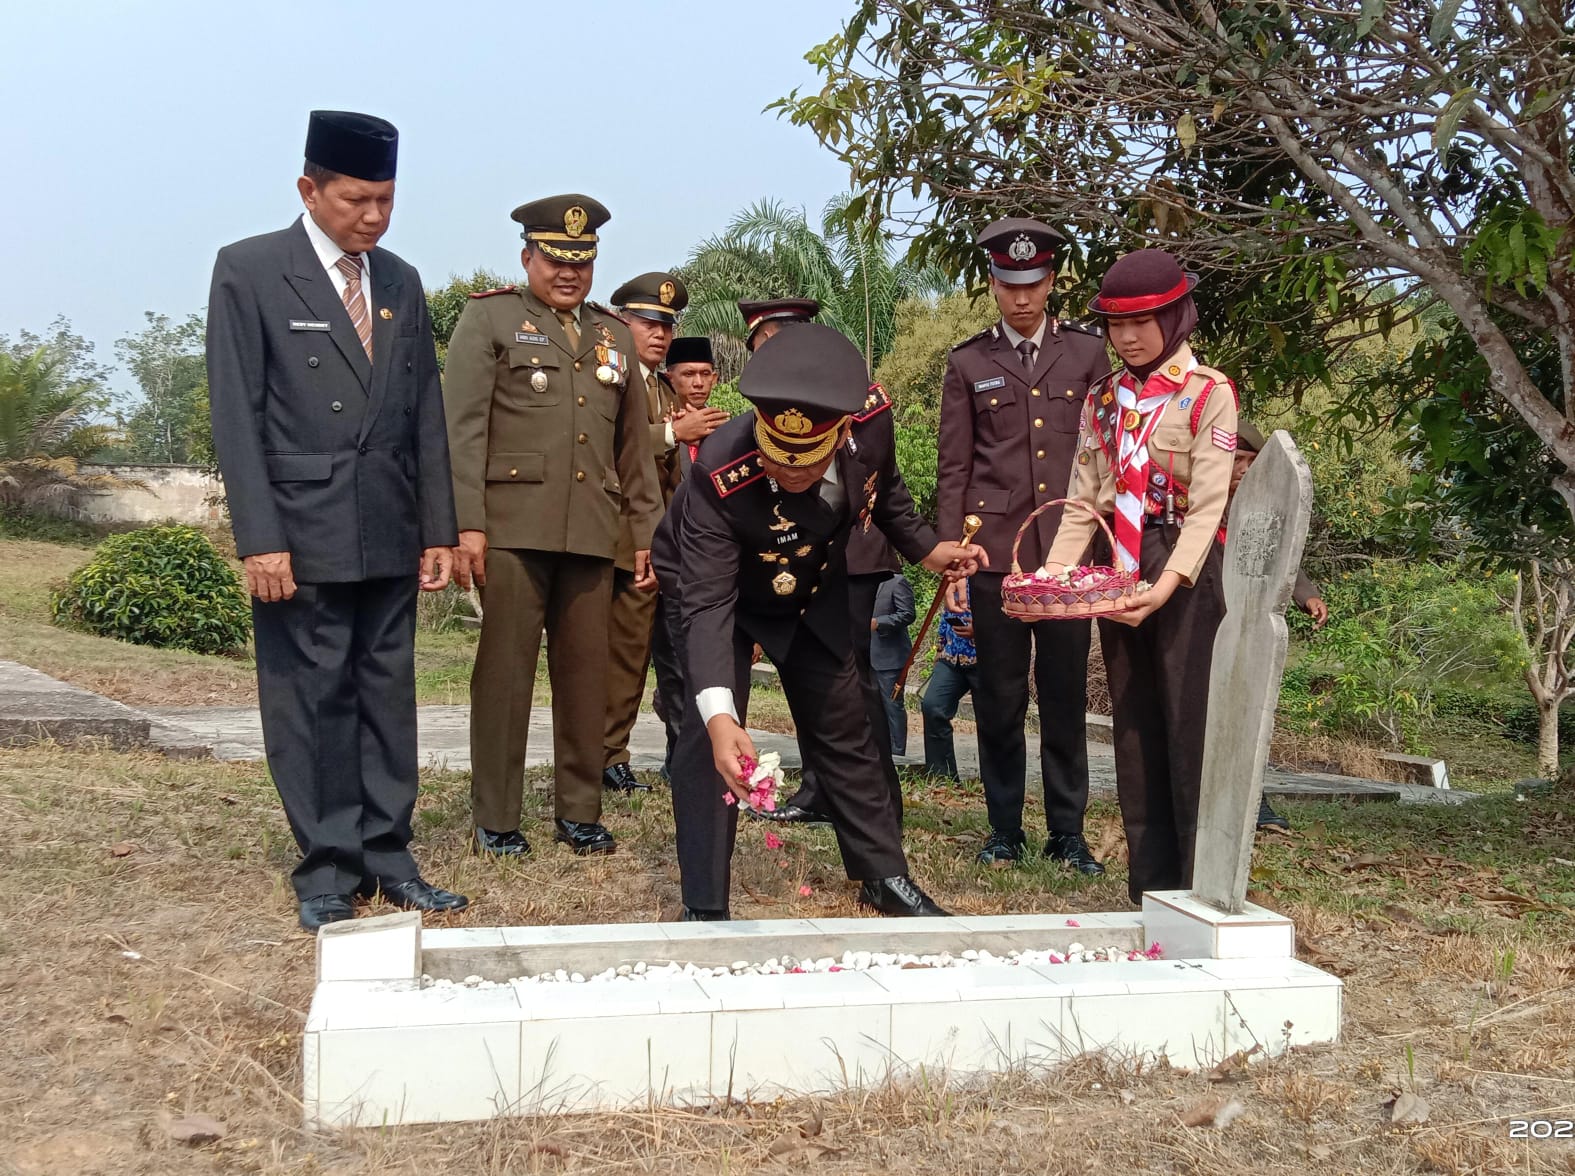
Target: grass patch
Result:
[[184, 864]]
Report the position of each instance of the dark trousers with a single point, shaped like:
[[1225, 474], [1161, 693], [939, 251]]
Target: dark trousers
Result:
[[336, 686], [668, 701], [630, 621], [861, 610], [1159, 690], [943, 694], [1000, 706], [895, 708], [835, 739], [570, 597]]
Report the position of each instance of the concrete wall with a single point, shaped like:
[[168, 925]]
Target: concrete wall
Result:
[[178, 493]]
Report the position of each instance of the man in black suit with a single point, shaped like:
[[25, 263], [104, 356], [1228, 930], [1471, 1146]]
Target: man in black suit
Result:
[[328, 426], [759, 533]]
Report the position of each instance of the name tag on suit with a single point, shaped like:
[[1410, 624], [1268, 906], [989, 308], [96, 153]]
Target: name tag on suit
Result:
[[527, 337], [989, 385], [309, 325]]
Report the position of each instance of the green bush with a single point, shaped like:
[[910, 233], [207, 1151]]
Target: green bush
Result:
[[161, 586]]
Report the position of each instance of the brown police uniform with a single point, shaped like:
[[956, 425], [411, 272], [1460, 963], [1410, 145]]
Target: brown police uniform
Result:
[[1007, 437], [1159, 671], [550, 447], [658, 296]]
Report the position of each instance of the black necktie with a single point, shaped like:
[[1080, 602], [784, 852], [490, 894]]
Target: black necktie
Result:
[[1026, 349]]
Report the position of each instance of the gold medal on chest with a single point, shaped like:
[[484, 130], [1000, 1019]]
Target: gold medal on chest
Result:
[[538, 381], [783, 583], [606, 373]]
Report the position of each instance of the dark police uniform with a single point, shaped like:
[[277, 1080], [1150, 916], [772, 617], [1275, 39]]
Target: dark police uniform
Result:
[[1007, 437], [339, 459], [758, 564]]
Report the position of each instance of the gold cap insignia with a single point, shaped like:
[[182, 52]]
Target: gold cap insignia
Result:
[[667, 292], [574, 221], [386, 313], [793, 423]]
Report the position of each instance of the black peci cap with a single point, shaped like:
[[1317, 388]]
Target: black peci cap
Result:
[[690, 349], [357, 145]]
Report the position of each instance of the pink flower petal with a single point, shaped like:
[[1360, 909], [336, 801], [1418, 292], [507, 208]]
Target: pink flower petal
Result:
[[729, 798], [1073, 923], [804, 892], [773, 841]]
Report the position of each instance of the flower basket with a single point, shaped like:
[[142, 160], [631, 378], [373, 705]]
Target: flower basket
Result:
[[1073, 595]]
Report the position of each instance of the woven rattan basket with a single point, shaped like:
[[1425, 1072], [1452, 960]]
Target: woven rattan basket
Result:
[[1033, 596]]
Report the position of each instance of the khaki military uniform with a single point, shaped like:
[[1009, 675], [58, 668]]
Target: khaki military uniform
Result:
[[551, 463], [633, 617]]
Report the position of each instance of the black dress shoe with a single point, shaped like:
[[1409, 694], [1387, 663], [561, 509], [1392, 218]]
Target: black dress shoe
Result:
[[1002, 847], [510, 844], [621, 778], [791, 814], [325, 908], [897, 896], [697, 915], [1268, 818], [417, 894], [1073, 850], [585, 837]]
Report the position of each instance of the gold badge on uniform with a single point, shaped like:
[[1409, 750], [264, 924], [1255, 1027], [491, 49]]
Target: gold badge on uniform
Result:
[[575, 220], [529, 327], [792, 422], [385, 313], [783, 583], [667, 292], [538, 380], [1131, 420], [783, 523]]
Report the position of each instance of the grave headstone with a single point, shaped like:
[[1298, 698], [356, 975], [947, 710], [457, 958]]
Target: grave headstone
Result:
[[1266, 534]]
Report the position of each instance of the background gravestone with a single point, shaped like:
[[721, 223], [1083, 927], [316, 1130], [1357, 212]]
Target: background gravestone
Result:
[[1267, 532]]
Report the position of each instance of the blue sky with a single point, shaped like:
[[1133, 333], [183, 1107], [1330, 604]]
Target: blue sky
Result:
[[140, 137]]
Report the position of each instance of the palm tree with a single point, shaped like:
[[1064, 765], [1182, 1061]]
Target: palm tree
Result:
[[45, 433], [770, 251]]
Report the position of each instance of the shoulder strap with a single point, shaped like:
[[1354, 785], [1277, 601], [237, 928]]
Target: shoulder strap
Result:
[[737, 474], [877, 402], [490, 293]]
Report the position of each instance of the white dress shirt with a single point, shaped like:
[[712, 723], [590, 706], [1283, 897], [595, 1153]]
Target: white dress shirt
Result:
[[329, 254], [1014, 337]]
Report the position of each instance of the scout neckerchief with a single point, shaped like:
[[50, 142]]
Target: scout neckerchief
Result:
[[1140, 410]]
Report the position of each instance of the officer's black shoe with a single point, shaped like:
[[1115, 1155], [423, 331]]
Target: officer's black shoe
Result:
[[1268, 818], [621, 778], [1073, 850], [791, 814], [585, 837], [697, 915], [510, 844], [897, 896], [1002, 847], [415, 894], [325, 908]]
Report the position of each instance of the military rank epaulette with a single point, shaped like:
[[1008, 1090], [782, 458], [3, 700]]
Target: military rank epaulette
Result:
[[877, 402], [733, 477], [988, 333], [607, 310], [490, 293], [1085, 328]]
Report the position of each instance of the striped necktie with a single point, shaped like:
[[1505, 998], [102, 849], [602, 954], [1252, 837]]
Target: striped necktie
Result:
[[355, 301]]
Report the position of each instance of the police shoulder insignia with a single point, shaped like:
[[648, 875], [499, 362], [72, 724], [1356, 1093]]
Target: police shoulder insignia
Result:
[[878, 401], [1085, 328], [490, 293], [737, 474], [984, 334]]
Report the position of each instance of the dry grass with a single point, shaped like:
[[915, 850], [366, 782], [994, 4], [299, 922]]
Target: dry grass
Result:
[[207, 1019]]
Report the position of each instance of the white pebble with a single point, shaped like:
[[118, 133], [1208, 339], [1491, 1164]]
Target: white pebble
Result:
[[1074, 948], [624, 969], [740, 965], [639, 968], [970, 955], [472, 980], [560, 975]]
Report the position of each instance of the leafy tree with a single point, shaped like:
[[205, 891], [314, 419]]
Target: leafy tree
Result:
[[770, 251], [1335, 168], [166, 359], [46, 431], [72, 358], [446, 303]]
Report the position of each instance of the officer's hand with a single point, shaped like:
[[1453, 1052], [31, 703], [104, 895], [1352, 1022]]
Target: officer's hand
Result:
[[957, 560], [268, 576], [957, 595], [963, 630], [437, 568], [470, 559], [644, 573], [1318, 611], [729, 744], [1145, 604], [697, 424]]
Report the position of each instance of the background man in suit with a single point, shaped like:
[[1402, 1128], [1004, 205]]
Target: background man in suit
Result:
[[1011, 404], [328, 425], [889, 648], [551, 445]]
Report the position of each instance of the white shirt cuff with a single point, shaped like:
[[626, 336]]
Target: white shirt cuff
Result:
[[671, 440], [713, 701]]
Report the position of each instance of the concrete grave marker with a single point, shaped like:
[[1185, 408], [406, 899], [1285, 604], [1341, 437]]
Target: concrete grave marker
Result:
[[1266, 534]]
